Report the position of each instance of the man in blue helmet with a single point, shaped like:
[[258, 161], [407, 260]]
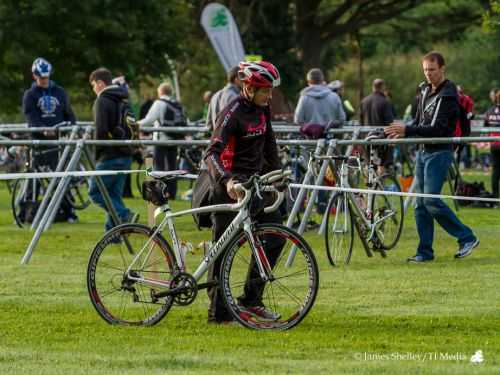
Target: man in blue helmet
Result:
[[46, 104]]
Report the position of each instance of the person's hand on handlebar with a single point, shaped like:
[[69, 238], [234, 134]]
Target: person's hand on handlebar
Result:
[[231, 191]]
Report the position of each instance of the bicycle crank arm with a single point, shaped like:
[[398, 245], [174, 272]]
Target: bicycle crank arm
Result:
[[171, 292]]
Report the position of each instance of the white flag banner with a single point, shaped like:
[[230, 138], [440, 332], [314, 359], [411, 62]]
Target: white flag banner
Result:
[[223, 33]]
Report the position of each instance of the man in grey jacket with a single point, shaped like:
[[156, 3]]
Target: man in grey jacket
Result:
[[223, 97], [317, 103]]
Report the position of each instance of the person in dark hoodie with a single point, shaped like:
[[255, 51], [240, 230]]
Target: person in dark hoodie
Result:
[[436, 117], [46, 104], [106, 118], [317, 103]]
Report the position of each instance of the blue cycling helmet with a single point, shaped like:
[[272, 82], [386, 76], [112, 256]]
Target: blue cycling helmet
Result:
[[41, 68]]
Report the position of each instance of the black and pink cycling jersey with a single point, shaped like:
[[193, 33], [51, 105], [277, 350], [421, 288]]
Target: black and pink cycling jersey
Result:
[[243, 142]]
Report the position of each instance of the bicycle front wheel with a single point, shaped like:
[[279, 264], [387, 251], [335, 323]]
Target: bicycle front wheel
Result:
[[284, 300], [116, 297], [339, 233], [388, 212]]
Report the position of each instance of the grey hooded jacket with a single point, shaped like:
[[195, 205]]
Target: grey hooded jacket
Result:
[[319, 105]]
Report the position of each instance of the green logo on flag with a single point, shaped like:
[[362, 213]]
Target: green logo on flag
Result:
[[220, 18]]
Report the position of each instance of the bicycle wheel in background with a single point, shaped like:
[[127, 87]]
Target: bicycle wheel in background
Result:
[[339, 231], [78, 193], [280, 303], [25, 199], [390, 206], [117, 298]]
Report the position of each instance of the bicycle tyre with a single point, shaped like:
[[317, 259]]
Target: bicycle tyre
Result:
[[286, 295], [339, 236], [77, 193], [108, 287], [383, 205], [19, 198]]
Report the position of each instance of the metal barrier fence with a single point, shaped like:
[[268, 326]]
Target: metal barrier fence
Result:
[[80, 148]]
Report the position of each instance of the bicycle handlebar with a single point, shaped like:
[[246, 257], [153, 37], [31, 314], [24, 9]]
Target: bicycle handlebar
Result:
[[264, 183]]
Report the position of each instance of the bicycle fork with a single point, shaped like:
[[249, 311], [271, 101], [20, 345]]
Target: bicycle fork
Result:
[[263, 265]]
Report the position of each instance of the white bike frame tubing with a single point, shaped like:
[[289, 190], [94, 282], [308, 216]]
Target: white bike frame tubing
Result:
[[167, 220], [241, 219]]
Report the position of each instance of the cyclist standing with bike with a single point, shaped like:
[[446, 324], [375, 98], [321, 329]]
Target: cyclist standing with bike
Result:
[[46, 104], [243, 144]]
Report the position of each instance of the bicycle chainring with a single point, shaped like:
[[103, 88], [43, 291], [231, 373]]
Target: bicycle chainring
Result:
[[188, 289]]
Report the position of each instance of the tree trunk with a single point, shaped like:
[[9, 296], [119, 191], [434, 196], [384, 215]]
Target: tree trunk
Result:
[[361, 78], [311, 50], [308, 33]]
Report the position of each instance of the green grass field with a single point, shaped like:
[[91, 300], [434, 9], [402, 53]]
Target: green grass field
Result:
[[374, 316]]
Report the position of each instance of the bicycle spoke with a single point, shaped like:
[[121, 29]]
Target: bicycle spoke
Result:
[[109, 292], [287, 291], [107, 266], [303, 272]]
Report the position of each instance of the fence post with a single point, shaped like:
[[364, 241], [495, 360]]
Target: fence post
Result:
[[52, 184], [320, 145], [55, 201]]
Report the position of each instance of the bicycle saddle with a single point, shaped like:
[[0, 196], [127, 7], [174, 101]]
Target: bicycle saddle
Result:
[[375, 134], [162, 175]]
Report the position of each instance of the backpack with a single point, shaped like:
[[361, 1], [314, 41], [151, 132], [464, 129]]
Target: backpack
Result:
[[473, 189], [174, 116], [126, 128]]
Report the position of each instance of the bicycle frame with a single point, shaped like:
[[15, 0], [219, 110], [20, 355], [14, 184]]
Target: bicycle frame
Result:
[[364, 215], [242, 220]]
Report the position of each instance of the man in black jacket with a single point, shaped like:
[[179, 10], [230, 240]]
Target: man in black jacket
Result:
[[377, 110], [243, 144], [437, 115], [107, 117]]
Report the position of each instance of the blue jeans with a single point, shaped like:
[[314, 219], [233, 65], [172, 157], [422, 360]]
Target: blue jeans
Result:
[[431, 172], [114, 185]]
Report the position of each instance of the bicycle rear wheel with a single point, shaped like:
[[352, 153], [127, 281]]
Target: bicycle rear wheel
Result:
[[282, 302], [117, 298], [390, 207], [339, 233]]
